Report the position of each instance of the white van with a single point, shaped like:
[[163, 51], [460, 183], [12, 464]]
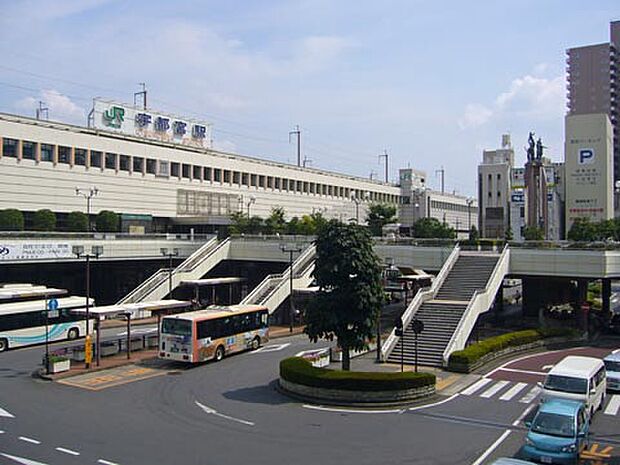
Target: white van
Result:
[[577, 378]]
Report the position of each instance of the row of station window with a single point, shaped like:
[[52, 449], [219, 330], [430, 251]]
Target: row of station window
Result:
[[163, 168]]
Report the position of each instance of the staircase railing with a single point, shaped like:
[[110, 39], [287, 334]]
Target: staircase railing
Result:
[[480, 302], [421, 297]]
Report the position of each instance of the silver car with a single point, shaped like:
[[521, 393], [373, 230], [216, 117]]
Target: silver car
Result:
[[612, 366]]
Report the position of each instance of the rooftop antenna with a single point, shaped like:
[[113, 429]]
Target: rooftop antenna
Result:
[[442, 172], [42, 112], [297, 132], [385, 155], [373, 175], [140, 95], [306, 161]]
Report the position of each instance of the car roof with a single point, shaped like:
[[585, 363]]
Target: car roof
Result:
[[560, 406], [576, 366], [613, 357]]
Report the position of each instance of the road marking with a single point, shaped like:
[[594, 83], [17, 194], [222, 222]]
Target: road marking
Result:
[[474, 387], [1, 432], [105, 462], [272, 348], [211, 411], [527, 372], [346, 410], [513, 391], [594, 453], [67, 451], [311, 351], [547, 367], [523, 415], [613, 405], [22, 460], [30, 440], [486, 453], [494, 389], [4, 413], [529, 397], [413, 409], [502, 367]]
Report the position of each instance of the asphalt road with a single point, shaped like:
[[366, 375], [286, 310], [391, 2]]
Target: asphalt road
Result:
[[230, 413]]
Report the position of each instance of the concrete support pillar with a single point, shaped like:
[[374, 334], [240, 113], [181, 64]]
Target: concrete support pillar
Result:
[[606, 296]]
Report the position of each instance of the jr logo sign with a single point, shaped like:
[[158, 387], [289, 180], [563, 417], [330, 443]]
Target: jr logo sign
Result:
[[114, 116], [586, 156]]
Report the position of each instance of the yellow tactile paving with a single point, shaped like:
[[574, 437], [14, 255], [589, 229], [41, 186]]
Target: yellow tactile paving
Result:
[[112, 377]]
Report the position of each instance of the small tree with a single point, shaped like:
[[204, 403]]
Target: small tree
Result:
[[350, 294], [431, 228], [11, 220], [473, 234], [582, 230], [77, 222], [532, 233], [44, 220], [380, 214], [107, 221], [238, 223], [508, 236], [275, 223], [293, 226]]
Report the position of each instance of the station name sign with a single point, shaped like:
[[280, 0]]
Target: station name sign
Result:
[[150, 124]]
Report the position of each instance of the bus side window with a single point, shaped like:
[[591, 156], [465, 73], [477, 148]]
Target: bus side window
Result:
[[202, 329]]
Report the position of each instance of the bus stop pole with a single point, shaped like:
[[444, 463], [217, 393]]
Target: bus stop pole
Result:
[[128, 315], [98, 343]]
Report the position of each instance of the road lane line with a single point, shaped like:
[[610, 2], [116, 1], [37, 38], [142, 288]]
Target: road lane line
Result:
[[513, 391], [523, 415], [527, 372], [105, 462], [30, 440], [67, 451], [530, 396], [413, 409], [486, 453], [4, 413], [346, 410], [1, 432], [613, 405], [22, 460], [494, 389], [502, 367], [474, 387], [211, 411]]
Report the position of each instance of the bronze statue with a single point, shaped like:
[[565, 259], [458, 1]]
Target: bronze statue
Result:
[[530, 148], [539, 149]]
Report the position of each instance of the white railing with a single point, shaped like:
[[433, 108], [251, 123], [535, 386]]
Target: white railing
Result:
[[194, 259], [480, 302], [421, 297]]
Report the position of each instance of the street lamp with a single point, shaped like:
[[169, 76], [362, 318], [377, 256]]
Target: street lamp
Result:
[[250, 202], [357, 207], [470, 201], [95, 252], [88, 194], [290, 250], [170, 253]]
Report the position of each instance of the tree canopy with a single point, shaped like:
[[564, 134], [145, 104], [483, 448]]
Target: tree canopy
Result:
[[350, 294], [585, 230], [107, 221], [77, 222], [432, 228], [380, 214], [44, 220], [11, 220]]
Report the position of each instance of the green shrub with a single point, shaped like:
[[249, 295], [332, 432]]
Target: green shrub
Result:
[[11, 220], [474, 352], [107, 221], [77, 222], [300, 371], [44, 220]]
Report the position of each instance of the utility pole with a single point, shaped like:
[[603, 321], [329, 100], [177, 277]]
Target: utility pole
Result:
[[385, 155], [297, 132], [42, 112], [306, 161], [442, 172], [142, 94]]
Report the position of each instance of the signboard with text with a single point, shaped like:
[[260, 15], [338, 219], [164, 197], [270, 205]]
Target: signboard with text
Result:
[[150, 124], [34, 251]]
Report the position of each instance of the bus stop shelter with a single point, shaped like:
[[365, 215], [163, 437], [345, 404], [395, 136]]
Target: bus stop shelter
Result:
[[213, 282], [21, 292], [127, 311]]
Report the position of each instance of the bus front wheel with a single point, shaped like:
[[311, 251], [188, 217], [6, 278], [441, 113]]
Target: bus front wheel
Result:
[[256, 343], [219, 353], [73, 333], [4, 344]]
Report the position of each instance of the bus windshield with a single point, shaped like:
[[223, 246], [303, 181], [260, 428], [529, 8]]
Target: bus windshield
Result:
[[177, 327], [566, 384]]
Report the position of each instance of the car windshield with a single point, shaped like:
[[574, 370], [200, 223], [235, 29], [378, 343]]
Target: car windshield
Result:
[[177, 327], [566, 384], [554, 425], [612, 366]]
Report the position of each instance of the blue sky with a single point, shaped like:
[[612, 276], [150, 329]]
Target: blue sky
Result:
[[433, 83]]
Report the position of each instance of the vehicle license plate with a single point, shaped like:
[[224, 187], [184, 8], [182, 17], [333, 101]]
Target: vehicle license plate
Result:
[[545, 459]]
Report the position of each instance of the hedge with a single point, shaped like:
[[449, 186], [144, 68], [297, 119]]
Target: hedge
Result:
[[299, 371], [476, 351]]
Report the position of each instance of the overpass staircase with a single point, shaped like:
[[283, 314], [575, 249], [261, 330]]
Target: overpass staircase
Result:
[[465, 287], [275, 288], [197, 265]]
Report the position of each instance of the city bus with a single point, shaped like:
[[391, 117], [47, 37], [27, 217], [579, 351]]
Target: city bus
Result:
[[212, 333], [23, 323]]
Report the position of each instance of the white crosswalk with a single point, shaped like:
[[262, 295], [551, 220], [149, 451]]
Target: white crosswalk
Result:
[[524, 393]]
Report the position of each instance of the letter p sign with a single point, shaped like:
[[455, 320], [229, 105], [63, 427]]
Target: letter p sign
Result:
[[586, 156]]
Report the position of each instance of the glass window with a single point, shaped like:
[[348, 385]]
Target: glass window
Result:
[[276, 183], [245, 179], [207, 174], [123, 163], [566, 384], [197, 172], [151, 166], [64, 155], [174, 170], [610, 365], [217, 175], [80, 157], [138, 164], [110, 161], [177, 327], [554, 424], [261, 181], [185, 171], [227, 176], [291, 185], [47, 152], [236, 177], [269, 182], [164, 169], [29, 150], [9, 147], [253, 180], [95, 159]]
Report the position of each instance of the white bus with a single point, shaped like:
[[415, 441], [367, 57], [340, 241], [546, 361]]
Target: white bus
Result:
[[23, 323]]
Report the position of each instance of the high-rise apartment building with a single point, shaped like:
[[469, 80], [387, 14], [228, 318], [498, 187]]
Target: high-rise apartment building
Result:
[[593, 84]]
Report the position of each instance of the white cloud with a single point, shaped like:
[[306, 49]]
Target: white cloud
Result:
[[61, 107], [475, 115], [316, 52]]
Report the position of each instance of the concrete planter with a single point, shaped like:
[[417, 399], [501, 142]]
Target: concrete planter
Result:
[[78, 354], [152, 341], [134, 344], [109, 349], [364, 398], [60, 366]]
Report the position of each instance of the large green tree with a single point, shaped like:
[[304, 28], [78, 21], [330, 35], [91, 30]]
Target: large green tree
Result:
[[275, 222], [432, 228], [350, 295], [380, 214], [44, 220], [11, 220], [77, 222]]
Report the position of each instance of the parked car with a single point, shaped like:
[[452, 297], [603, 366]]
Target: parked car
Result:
[[558, 433], [511, 461], [612, 366]]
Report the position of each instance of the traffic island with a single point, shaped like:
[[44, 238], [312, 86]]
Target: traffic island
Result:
[[301, 380]]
